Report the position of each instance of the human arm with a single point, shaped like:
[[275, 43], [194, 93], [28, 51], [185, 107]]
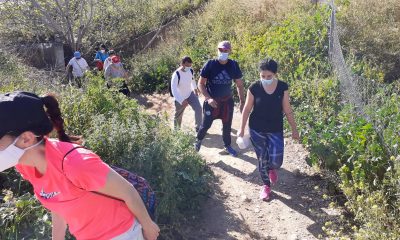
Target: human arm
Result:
[[88, 172], [240, 90], [116, 186], [203, 90], [194, 87], [174, 88], [287, 109], [246, 112], [59, 227]]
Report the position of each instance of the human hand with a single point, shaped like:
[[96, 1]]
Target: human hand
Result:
[[212, 103], [150, 231], [240, 133], [295, 135]]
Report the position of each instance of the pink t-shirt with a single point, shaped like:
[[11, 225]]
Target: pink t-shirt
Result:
[[69, 193]]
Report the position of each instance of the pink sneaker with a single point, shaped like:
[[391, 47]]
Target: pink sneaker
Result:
[[265, 192], [273, 176]]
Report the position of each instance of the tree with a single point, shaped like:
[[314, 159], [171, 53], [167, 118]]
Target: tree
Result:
[[70, 19]]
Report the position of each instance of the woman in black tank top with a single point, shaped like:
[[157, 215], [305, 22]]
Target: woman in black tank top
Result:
[[268, 101]]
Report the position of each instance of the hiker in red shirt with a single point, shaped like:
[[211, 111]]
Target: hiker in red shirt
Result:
[[80, 190]]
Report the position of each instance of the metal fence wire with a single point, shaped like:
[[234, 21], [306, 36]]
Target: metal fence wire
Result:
[[355, 90]]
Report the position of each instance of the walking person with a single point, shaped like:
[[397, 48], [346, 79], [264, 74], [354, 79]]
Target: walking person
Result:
[[100, 57], [267, 100], [79, 67], [116, 76], [81, 191], [108, 60], [215, 83], [184, 91]]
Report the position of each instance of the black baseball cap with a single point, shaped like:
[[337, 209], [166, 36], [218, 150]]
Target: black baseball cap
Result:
[[22, 111]]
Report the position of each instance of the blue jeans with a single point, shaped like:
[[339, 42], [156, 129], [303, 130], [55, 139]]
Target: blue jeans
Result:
[[269, 149]]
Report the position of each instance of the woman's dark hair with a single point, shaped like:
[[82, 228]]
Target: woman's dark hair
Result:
[[186, 59], [54, 113], [268, 65]]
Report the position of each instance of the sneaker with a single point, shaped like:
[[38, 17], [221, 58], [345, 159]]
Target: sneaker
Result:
[[265, 192], [231, 151], [273, 176], [197, 145]]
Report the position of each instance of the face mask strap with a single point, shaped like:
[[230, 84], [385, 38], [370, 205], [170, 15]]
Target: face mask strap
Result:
[[34, 145]]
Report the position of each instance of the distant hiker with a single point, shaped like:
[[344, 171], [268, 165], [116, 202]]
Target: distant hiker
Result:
[[267, 100], [116, 76], [100, 57], [215, 84], [184, 90], [82, 193], [108, 60], [79, 67]]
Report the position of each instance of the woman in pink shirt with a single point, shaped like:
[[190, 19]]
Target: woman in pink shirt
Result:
[[80, 190]]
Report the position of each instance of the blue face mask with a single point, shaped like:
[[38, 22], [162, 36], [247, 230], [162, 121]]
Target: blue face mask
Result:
[[223, 56], [267, 82]]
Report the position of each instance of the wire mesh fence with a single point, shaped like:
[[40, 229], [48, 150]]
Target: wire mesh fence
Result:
[[356, 90]]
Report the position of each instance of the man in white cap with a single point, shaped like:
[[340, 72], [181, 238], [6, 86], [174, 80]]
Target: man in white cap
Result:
[[215, 84]]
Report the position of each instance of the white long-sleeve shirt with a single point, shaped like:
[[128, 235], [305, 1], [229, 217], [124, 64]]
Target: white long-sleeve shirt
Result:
[[186, 85]]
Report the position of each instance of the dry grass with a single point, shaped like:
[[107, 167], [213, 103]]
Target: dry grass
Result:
[[372, 28]]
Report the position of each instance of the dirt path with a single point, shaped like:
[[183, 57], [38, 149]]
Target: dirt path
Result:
[[296, 210]]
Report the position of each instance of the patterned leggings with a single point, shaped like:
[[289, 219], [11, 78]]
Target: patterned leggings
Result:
[[269, 149]]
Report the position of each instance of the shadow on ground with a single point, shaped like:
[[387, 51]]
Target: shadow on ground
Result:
[[300, 192], [225, 224]]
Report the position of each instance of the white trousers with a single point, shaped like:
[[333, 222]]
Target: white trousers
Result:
[[133, 233]]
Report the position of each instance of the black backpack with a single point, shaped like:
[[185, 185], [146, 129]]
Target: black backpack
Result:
[[179, 79]]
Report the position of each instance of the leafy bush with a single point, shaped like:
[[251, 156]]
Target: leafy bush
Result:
[[373, 35]]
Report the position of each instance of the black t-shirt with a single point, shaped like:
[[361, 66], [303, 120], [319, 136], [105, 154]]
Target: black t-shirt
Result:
[[267, 114], [219, 77]]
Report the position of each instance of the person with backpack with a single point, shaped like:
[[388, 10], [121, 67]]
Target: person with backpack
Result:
[[184, 90], [215, 84], [79, 67], [81, 191], [267, 100]]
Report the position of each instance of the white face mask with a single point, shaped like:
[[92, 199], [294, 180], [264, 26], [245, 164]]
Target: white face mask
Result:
[[103, 51], [267, 81], [10, 156], [187, 69], [223, 56]]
